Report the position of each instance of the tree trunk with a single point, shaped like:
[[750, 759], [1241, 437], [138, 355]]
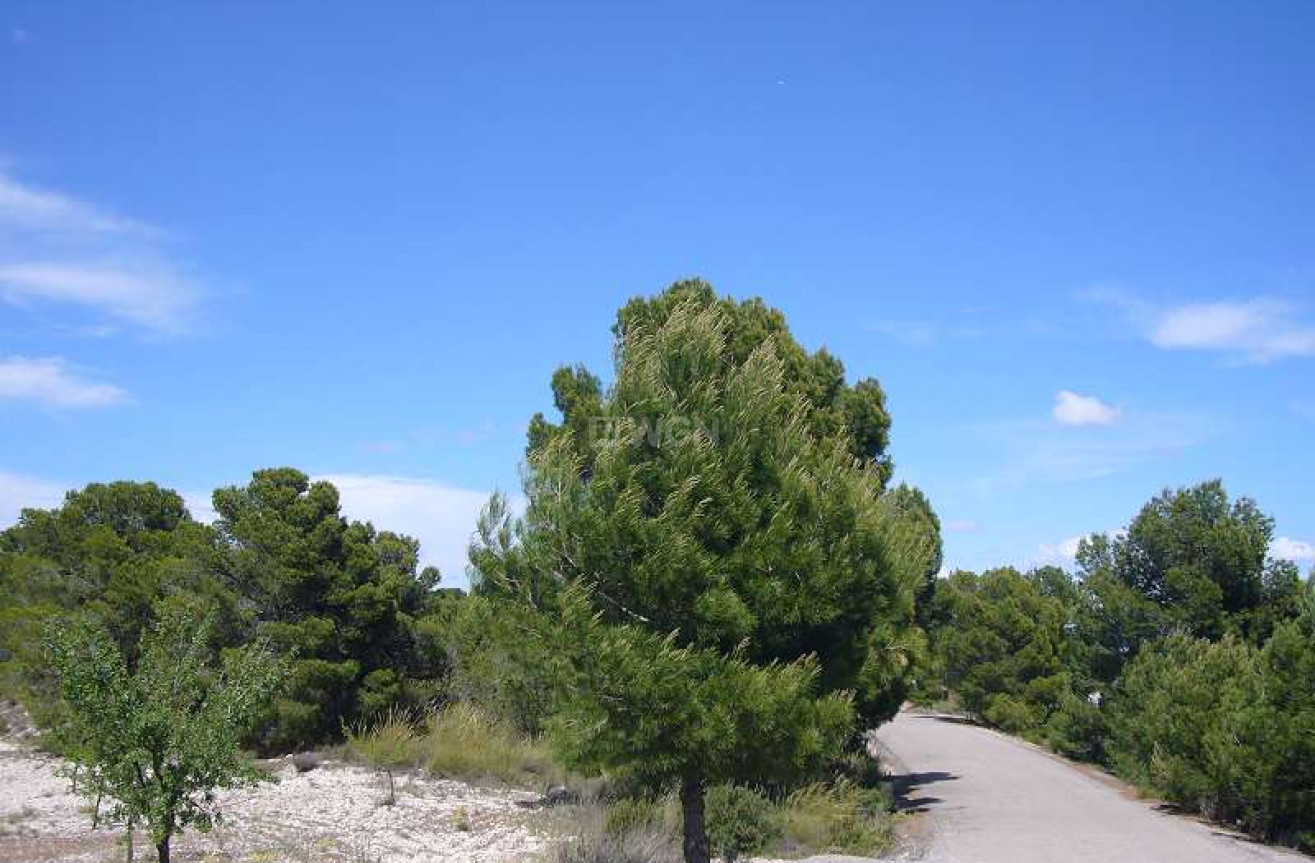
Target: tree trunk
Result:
[[691, 804], [162, 850]]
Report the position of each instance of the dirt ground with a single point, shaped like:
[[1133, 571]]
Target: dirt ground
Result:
[[331, 813]]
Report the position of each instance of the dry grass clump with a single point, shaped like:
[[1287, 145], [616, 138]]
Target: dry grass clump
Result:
[[457, 742], [837, 817]]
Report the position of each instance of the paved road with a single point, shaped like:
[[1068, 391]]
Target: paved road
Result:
[[992, 798]]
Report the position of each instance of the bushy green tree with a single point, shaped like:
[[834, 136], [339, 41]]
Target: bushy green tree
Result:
[[339, 595], [855, 412], [730, 547], [157, 740], [1002, 646], [1278, 737], [1192, 560], [111, 550], [1173, 706]]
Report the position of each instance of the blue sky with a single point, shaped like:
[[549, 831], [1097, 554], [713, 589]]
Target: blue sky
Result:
[[1075, 244]]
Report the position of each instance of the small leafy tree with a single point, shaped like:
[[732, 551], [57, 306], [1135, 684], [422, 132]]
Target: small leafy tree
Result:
[[158, 739]]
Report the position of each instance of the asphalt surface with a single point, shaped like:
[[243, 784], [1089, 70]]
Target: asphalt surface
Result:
[[988, 797]]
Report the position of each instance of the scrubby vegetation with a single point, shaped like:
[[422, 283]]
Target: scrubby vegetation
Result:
[[459, 741], [711, 593], [1181, 656], [821, 818], [154, 742]]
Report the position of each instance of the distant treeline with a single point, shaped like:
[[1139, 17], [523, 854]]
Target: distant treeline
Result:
[[347, 601], [1181, 655]]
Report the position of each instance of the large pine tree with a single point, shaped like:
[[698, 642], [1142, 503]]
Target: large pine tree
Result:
[[711, 540]]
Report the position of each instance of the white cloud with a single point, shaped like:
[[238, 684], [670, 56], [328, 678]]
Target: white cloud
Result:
[[199, 507], [964, 526], [152, 297], [50, 381], [1037, 451], [442, 517], [57, 249], [1062, 553], [1257, 330], [1072, 409], [30, 208], [22, 492], [1295, 550]]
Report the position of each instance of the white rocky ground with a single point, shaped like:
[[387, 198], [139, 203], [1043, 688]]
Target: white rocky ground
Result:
[[332, 813]]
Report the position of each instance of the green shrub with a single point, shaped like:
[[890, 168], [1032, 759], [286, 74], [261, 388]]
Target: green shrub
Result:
[[1011, 715], [740, 821], [859, 767], [1001, 650], [837, 818], [388, 743], [1273, 742], [461, 741], [1077, 729], [1175, 718], [630, 815]]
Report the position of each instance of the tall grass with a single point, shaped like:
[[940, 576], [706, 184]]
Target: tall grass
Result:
[[457, 742], [837, 817]]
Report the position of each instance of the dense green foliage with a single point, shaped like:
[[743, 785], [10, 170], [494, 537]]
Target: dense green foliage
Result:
[[857, 413], [345, 601], [724, 572], [741, 821], [712, 586], [1182, 656], [113, 551], [155, 741], [339, 595], [1225, 727], [1006, 664], [1191, 561]]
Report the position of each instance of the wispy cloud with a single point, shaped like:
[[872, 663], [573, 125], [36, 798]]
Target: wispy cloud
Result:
[[1256, 330], [1072, 409], [58, 250], [152, 297], [39, 209], [1062, 553], [50, 381], [1249, 330], [1035, 451], [19, 492], [962, 526], [976, 322], [1295, 550], [922, 333], [441, 516]]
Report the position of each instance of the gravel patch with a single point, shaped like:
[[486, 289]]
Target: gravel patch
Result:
[[332, 813]]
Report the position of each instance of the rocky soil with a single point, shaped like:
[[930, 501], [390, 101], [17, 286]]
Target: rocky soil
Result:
[[332, 813]]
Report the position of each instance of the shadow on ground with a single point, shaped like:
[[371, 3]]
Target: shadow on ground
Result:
[[907, 789], [950, 718]]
